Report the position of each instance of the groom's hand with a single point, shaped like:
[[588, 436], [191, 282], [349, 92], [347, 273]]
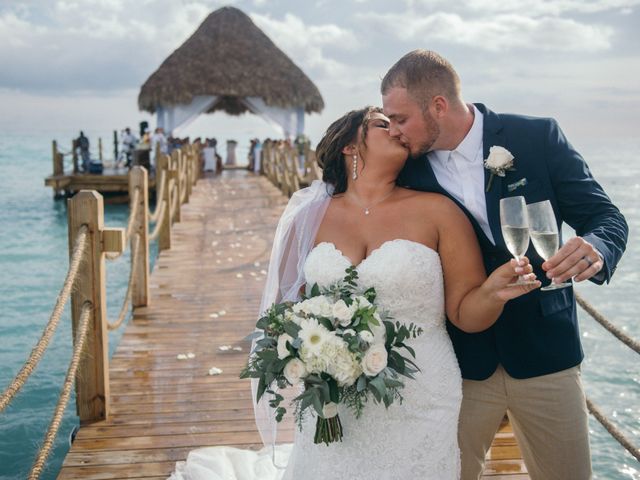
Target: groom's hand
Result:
[[577, 258]]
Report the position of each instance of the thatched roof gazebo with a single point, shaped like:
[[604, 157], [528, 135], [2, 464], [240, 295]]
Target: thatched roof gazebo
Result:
[[230, 65]]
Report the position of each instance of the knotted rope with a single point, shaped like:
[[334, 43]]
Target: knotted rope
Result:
[[161, 214]]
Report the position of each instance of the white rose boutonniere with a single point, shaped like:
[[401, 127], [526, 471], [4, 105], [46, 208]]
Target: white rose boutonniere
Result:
[[500, 160]]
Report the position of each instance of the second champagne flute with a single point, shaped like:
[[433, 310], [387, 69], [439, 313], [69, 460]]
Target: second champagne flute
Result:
[[544, 234], [514, 223]]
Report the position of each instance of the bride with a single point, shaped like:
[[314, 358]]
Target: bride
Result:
[[420, 253]]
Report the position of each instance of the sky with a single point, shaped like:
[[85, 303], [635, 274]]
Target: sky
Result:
[[79, 64]]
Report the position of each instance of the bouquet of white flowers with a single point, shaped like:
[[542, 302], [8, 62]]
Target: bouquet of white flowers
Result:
[[337, 343]]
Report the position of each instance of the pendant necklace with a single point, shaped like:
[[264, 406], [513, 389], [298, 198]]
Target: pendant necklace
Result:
[[367, 208]]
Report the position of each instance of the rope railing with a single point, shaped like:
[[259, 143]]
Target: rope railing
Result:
[[54, 426], [79, 249], [613, 430], [135, 250], [280, 165], [158, 226], [175, 202], [155, 215], [135, 202], [611, 328], [92, 244]]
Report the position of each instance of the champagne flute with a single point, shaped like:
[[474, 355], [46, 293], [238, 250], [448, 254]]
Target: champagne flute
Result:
[[514, 223], [544, 234]]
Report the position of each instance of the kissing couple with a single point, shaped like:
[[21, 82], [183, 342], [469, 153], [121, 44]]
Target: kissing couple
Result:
[[410, 199]]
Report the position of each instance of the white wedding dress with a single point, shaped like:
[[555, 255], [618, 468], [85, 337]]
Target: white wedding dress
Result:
[[413, 440]]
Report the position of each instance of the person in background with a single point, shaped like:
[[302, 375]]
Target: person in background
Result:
[[82, 143], [129, 142], [158, 144]]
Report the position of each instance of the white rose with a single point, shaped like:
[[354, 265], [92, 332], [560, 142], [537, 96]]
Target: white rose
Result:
[[330, 410], [367, 336], [375, 360], [283, 352], [294, 371], [362, 301], [342, 312], [499, 160]]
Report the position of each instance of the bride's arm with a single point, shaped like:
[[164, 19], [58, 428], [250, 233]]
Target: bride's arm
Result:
[[473, 301]]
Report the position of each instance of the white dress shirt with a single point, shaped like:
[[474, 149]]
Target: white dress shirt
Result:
[[461, 172]]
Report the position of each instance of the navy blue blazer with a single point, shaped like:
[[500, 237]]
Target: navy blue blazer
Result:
[[537, 333]]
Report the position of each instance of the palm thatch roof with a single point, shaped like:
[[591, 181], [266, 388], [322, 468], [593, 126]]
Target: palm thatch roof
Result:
[[229, 56]]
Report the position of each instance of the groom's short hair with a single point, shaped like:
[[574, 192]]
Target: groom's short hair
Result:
[[425, 74]]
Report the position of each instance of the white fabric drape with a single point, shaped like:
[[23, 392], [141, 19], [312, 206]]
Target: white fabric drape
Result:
[[288, 121], [173, 117]]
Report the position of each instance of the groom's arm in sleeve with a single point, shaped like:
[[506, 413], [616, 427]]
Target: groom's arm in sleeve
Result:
[[583, 203]]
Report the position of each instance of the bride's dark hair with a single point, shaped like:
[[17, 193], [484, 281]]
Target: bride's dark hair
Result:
[[341, 133]]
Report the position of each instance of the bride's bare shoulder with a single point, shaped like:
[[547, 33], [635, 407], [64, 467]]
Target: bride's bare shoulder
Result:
[[428, 201]]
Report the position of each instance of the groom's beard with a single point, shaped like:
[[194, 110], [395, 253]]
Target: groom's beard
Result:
[[433, 132]]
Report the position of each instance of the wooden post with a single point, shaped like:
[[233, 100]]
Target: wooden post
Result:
[[74, 155], [162, 165], [138, 178], [58, 167], [115, 146], [100, 149], [92, 379], [188, 172], [58, 160], [164, 240], [176, 157]]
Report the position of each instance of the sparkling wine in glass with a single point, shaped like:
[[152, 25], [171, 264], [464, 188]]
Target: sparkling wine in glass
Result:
[[544, 234], [515, 230]]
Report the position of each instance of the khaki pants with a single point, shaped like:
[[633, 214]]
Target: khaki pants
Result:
[[549, 417]]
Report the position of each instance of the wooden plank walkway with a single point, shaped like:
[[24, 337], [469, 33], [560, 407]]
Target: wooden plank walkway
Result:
[[205, 293]]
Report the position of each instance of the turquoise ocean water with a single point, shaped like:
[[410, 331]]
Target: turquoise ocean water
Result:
[[34, 260]]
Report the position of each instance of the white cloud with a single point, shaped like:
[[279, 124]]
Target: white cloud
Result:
[[305, 44], [530, 7], [495, 33]]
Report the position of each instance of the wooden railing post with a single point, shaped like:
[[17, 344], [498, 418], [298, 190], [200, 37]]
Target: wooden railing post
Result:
[[92, 379], [58, 160], [189, 172], [164, 240], [175, 160], [139, 178]]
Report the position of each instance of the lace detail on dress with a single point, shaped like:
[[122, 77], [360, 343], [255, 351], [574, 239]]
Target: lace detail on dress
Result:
[[415, 439]]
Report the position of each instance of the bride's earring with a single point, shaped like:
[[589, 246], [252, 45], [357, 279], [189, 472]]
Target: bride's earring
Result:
[[355, 166]]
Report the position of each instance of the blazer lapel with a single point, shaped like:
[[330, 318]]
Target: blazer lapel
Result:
[[492, 135]]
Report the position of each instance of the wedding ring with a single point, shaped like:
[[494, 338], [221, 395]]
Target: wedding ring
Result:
[[588, 260]]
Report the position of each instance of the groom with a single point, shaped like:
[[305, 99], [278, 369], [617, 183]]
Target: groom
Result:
[[528, 363]]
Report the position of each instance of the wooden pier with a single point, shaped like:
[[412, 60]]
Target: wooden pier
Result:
[[112, 182], [205, 293]]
